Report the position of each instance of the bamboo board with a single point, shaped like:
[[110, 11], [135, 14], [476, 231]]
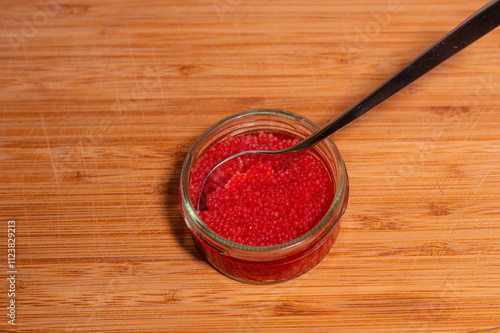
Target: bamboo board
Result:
[[100, 101]]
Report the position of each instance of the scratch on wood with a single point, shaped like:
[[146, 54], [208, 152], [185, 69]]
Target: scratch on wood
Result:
[[171, 296]]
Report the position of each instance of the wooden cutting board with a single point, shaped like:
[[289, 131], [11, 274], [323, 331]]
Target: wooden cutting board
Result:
[[100, 101]]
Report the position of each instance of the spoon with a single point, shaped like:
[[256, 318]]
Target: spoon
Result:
[[476, 26]]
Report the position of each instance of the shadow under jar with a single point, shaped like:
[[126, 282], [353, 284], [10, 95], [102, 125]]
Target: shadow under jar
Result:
[[276, 263]]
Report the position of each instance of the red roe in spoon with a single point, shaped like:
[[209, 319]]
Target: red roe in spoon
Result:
[[265, 205]]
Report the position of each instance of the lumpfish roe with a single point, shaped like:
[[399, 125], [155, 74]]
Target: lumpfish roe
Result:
[[268, 204]]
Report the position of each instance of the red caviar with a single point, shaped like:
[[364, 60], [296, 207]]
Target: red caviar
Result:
[[269, 204]]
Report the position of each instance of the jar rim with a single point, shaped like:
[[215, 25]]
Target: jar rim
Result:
[[188, 208]]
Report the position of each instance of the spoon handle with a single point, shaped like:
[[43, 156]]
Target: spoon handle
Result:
[[477, 25]]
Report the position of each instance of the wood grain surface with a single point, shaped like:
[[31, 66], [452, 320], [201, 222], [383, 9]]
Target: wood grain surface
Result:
[[101, 100]]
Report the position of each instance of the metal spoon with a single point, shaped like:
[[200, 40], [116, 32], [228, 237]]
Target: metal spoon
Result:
[[477, 25]]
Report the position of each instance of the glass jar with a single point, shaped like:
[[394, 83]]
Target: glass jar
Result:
[[267, 264]]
